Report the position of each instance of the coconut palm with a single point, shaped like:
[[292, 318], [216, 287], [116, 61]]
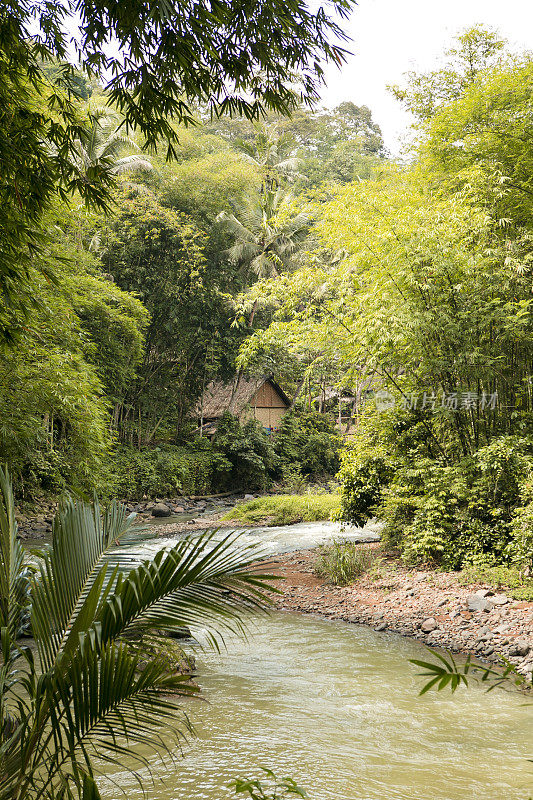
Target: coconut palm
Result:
[[84, 688], [97, 153], [265, 238], [273, 154]]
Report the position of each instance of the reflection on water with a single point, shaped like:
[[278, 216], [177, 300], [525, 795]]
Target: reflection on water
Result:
[[335, 706]]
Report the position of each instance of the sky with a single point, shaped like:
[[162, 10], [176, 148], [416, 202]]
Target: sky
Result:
[[390, 37]]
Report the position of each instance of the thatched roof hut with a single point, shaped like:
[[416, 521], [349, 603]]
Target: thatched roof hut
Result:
[[247, 398]]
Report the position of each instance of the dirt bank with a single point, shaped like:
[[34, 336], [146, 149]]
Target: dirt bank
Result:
[[428, 605]]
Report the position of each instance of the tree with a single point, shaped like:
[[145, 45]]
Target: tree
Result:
[[340, 144], [477, 49], [158, 253], [86, 688], [273, 154], [98, 150], [267, 235], [80, 350], [480, 144], [230, 56]]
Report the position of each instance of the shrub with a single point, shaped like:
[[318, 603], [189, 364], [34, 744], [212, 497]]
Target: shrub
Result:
[[248, 450], [362, 484], [520, 549], [169, 470], [342, 562], [307, 442], [514, 580], [449, 514]]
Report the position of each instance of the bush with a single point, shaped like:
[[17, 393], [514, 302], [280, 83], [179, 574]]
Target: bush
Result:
[[362, 484], [166, 471], [443, 513], [514, 580], [521, 546], [307, 442], [448, 514], [285, 509], [249, 451], [342, 563]]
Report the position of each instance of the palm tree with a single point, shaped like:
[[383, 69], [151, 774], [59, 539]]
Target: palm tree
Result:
[[84, 688], [273, 154], [97, 152], [264, 241]]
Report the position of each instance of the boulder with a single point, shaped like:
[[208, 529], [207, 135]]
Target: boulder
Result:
[[519, 648], [477, 603], [161, 510], [429, 625], [499, 600], [249, 497]]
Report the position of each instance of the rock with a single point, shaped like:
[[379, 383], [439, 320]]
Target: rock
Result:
[[161, 510], [499, 600], [442, 603], [249, 497], [501, 628], [483, 592], [429, 625], [179, 510], [381, 627], [475, 602], [519, 648]]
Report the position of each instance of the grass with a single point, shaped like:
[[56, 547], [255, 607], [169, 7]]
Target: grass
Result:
[[285, 509], [512, 579], [341, 563]]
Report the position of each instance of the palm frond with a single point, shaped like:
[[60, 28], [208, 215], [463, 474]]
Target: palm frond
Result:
[[130, 164], [14, 573], [206, 581], [104, 702], [63, 588]]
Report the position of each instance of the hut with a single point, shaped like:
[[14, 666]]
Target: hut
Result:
[[247, 398]]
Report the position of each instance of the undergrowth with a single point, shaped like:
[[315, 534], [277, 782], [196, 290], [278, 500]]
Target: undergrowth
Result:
[[341, 563], [515, 582], [285, 509]]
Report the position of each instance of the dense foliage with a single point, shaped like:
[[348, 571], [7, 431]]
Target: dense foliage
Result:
[[308, 443], [419, 290], [137, 309]]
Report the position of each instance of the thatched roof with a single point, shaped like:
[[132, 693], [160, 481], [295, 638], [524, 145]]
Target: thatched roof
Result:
[[233, 397]]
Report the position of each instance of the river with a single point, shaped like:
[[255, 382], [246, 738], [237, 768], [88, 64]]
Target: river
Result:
[[335, 706]]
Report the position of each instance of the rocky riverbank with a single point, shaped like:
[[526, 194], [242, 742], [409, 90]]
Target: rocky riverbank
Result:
[[36, 523], [427, 605]]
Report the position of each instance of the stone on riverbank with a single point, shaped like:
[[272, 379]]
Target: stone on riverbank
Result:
[[519, 648], [161, 510], [382, 602], [477, 603]]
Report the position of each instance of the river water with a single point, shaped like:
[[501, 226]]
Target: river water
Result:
[[335, 706]]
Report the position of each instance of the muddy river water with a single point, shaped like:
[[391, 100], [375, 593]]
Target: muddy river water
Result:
[[335, 706]]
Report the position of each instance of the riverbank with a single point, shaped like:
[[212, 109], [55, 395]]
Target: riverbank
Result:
[[430, 606]]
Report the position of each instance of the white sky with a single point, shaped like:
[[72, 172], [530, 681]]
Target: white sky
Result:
[[390, 37]]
